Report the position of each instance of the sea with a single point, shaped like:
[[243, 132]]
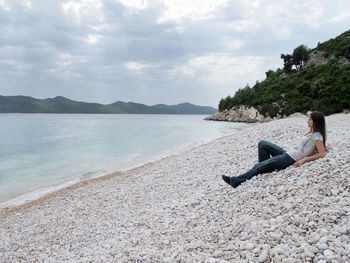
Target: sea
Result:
[[41, 153]]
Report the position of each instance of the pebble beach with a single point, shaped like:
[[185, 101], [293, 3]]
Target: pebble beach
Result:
[[178, 209]]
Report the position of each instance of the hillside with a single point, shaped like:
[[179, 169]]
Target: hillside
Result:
[[312, 79], [24, 104]]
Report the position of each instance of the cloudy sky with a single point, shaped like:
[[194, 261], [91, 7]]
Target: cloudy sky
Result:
[[154, 51]]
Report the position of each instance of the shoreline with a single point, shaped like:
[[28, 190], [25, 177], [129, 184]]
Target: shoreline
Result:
[[49, 177], [178, 209], [33, 197], [83, 183]]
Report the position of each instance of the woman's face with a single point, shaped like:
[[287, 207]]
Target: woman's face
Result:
[[310, 122]]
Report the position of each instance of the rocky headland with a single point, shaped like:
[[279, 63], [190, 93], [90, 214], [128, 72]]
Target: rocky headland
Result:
[[239, 114]]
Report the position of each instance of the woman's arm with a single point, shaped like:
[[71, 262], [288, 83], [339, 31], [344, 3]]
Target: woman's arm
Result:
[[321, 153]]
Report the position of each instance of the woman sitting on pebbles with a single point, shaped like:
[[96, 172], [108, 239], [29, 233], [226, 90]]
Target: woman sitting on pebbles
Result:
[[273, 157]]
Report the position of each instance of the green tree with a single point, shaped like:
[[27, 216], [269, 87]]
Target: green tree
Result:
[[300, 56], [287, 62]]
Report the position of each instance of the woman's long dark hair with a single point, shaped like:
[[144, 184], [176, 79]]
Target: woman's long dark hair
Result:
[[319, 124]]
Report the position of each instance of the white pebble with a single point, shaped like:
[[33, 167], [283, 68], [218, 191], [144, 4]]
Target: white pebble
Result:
[[323, 240], [263, 256], [328, 253]]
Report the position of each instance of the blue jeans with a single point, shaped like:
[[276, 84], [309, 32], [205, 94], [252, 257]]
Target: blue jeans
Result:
[[271, 158]]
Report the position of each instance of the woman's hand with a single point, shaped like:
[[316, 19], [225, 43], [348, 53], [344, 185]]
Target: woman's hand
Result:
[[321, 153], [300, 162]]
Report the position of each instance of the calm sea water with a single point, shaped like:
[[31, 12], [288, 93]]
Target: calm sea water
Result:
[[40, 153]]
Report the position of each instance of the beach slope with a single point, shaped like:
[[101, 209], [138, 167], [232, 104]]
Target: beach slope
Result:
[[178, 209]]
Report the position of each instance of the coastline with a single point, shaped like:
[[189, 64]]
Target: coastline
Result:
[[13, 206], [178, 208], [30, 198]]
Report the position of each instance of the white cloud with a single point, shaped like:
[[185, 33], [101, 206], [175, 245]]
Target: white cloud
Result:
[[27, 4], [79, 11], [136, 67], [9, 62], [93, 38], [233, 44], [186, 9], [137, 4], [66, 66], [4, 5], [222, 69], [314, 13], [339, 18], [104, 27], [14, 67], [244, 25], [279, 17], [218, 75]]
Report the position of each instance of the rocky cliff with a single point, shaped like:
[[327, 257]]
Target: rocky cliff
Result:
[[318, 59]]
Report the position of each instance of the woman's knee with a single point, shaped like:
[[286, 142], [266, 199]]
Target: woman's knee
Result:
[[262, 143]]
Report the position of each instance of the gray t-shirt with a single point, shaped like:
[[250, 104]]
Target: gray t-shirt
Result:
[[307, 146]]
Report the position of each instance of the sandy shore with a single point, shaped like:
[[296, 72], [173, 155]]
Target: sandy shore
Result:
[[178, 209]]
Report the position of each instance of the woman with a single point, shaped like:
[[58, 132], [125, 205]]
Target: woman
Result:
[[273, 157]]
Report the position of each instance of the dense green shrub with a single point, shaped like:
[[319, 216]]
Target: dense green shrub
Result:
[[325, 87]]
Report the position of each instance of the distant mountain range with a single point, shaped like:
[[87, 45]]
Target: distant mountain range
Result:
[[25, 104]]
